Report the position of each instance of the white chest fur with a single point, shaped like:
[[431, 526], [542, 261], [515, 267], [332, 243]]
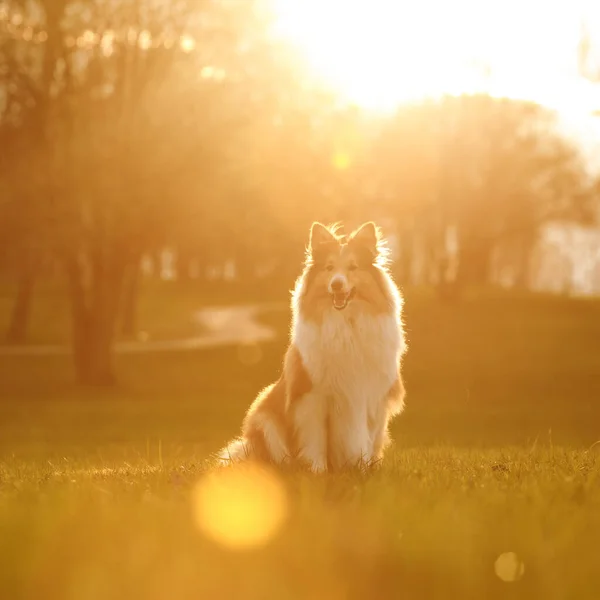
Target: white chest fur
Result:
[[353, 359]]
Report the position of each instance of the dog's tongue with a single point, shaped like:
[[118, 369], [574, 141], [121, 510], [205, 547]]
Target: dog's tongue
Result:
[[339, 300]]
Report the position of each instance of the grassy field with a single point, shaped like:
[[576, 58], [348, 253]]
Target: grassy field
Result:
[[492, 489]]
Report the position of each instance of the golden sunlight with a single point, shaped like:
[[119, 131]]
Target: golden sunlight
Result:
[[380, 53], [240, 507]]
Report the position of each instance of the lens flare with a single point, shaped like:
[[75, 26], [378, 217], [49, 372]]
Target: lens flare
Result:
[[241, 507], [509, 567]]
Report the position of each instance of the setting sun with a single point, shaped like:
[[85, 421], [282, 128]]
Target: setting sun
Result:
[[374, 54], [380, 53]]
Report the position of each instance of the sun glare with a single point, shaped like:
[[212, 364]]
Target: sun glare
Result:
[[380, 53]]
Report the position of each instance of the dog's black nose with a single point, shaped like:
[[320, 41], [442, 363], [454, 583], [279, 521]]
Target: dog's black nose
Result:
[[337, 285]]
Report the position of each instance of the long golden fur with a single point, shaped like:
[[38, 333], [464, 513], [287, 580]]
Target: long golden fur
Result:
[[341, 382]]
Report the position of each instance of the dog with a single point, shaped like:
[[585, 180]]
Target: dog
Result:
[[341, 382]]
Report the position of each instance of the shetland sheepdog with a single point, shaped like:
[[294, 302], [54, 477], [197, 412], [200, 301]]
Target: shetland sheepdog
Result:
[[341, 381]]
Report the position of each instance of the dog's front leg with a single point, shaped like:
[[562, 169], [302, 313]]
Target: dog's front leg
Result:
[[309, 421], [378, 429], [350, 443]]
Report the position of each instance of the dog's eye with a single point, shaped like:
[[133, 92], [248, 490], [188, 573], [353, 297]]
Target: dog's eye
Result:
[[329, 268], [352, 267]]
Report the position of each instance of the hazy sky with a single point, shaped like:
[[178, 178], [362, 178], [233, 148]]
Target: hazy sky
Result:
[[378, 53]]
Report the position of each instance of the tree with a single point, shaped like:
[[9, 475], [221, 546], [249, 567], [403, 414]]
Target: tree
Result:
[[118, 142], [492, 169], [27, 118], [140, 133]]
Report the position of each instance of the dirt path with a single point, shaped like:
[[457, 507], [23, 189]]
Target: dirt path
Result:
[[221, 326]]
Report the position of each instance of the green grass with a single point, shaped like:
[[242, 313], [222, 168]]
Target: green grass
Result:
[[432, 523], [493, 455]]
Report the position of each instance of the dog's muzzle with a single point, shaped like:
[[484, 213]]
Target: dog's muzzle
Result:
[[342, 298], [338, 288]]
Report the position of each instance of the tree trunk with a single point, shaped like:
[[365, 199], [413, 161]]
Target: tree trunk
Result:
[[182, 265], [474, 260], [130, 299], [245, 263], [449, 289], [94, 310], [523, 263], [202, 265], [20, 317], [93, 353]]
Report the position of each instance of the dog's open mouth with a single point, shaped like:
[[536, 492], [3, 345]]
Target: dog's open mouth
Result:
[[341, 299]]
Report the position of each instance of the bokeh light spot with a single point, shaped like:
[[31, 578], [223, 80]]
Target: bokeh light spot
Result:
[[240, 507], [509, 567], [187, 43], [145, 40]]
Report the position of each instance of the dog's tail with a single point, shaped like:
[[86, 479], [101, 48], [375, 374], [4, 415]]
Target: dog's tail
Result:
[[238, 450], [262, 439]]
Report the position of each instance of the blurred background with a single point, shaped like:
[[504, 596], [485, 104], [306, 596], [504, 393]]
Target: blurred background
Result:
[[158, 158]]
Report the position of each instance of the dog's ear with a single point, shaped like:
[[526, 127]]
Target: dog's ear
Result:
[[320, 235], [368, 236]]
